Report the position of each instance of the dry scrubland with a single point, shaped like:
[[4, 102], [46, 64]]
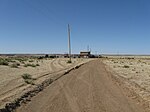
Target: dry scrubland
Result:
[[86, 89], [134, 72], [19, 74]]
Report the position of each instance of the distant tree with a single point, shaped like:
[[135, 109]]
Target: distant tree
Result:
[[46, 56], [52, 56], [40, 57]]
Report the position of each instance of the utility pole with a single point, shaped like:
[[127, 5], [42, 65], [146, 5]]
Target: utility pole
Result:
[[88, 48], [69, 43]]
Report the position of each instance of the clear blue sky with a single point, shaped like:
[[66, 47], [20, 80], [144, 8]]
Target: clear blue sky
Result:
[[107, 26]]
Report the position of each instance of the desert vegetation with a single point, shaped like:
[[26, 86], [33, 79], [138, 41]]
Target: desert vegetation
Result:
[[69, 61], [15, 65], [28, 78], [134, 70], [16, 62], [31, 65], [3, 62], [20, 74]]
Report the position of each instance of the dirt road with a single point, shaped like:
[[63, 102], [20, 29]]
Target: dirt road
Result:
[[12, 85], [87, 89]]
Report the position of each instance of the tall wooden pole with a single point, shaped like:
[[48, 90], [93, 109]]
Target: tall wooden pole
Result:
[[69, 43]]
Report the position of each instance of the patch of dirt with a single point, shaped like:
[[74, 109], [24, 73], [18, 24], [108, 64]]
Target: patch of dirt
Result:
[[87, 89], [12, 85], [135, 77]]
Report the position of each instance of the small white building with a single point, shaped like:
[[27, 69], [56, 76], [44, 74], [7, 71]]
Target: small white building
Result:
[[85, 54]]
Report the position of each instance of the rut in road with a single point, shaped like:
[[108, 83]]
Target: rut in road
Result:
[[87, 89]]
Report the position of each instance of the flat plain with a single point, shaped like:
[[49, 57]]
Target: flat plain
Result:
[[134, 73], [108, 84], [89, 88], [20, 74]]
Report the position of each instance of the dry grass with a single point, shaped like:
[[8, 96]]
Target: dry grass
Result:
[[11, 76], [28, 78], [136, 70]]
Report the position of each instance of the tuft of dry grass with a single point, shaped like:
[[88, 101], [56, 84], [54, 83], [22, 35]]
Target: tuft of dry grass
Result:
[[28, 78], [126, 66], [4, 62], [15, 65]]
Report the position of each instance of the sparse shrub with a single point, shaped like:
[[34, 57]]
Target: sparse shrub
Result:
[[28, 78], [40, 57], [18, 64], [31, 61], [10, 60], [52, 56], [129, 58], [33, 65], [15, 65], [69, 61], [25, 65], [29, 82], [144, 63], [30, 65], [21, 59], [115, 62], [46, 56], [126, 66], [37, 65], [23, 62], [3, 62]]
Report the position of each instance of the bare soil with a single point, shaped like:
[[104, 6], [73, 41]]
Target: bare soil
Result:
[[87, 89], [134, 72], [12, 85]]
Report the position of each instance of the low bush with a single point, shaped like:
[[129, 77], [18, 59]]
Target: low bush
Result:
[[28, 79], [69, 61], [20, 59], [126, 66], [37, 65], [115, 62], [31, 61], [26, 76], [29, 82], [30, 65], [10, 60], [3, 62], [15, 65]]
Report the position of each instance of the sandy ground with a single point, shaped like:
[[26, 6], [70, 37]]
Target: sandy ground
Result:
[[135, 72], [12, 85], [87, 89]]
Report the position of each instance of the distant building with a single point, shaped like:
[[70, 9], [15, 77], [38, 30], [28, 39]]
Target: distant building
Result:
[[85, 54], [75, 56], [66, 55]]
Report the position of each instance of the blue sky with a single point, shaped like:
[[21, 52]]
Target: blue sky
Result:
[[107, 26]]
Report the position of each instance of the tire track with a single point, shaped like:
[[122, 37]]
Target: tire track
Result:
[[87, 89]]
